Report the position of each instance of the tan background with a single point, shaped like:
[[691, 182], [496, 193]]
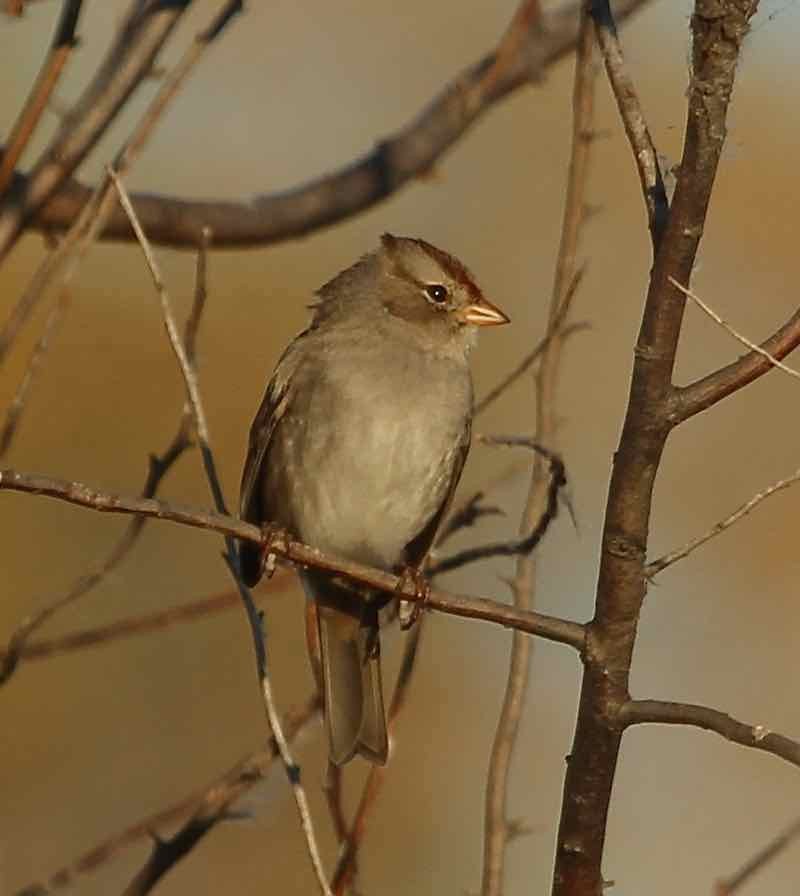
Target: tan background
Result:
[[93, 741]]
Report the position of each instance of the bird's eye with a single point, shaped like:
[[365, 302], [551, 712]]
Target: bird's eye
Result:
[[436, 293]]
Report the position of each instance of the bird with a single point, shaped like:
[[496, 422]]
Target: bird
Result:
[[357, 449]]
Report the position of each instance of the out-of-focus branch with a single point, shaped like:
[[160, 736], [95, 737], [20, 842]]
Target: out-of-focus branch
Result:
[[732, 884], [205, 810], [396, 160], [656, 566], [60, 49], [549, 627], [718, 29], [633, 120], [101, 202], [542, 501], [662, 712], [142, 35], [194, 401]]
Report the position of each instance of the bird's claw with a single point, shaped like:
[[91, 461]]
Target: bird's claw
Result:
[[272, 535], [410, 611]]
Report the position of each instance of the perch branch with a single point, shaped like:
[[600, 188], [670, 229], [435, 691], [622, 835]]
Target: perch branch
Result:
[[552, 628]]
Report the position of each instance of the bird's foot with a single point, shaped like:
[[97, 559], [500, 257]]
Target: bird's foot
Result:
[[272, 536], [410, 611]]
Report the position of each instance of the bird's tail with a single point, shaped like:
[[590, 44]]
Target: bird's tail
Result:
[[351, 675]]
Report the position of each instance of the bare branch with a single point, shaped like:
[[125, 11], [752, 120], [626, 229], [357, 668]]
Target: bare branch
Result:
[[655, 566], [60, 50], [206, 809], [718, 29], [633, 120], [542, 501], [729, 885], [396, 160], [661, 712], [549, 627]]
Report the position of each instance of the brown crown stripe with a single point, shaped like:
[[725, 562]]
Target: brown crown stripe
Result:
[[454, 269]]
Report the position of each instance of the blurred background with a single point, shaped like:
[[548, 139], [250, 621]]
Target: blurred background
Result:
[[95, 740]]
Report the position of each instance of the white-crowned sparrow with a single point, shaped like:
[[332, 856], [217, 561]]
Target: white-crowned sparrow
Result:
[[357, 449]]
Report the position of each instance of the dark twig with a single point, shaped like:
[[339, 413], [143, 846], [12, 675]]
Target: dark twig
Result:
[[60, 49], [528, 541], [730, 885], [662, 712], [549, 627], [630, 110], [542, 501], [396, 160], [206, 809], [718, 29], [191, 383]]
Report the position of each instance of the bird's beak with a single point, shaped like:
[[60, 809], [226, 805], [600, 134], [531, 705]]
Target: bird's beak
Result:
[[484, 314]]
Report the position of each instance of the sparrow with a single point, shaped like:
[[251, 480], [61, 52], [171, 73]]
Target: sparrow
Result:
[[357, 448]]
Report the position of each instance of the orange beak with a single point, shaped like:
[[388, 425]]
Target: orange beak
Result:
[[484, 314]]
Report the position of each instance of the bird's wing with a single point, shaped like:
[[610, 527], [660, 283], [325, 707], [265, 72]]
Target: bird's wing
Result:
[[417, 549], [273, 407]]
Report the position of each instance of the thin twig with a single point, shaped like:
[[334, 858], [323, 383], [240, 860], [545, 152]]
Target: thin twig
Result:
[[549, 627], [60, 50], [205, 809], [395, 161], [144, 624], [190, 379], [663, 712], [656, 566], [633, 120], [730, 885], [554, 332], [754, 347], [542, 500], [18, 403]]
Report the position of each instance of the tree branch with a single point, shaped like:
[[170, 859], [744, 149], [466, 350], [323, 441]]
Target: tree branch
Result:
[[396, 160], [718, 28], [549, 627], [757, 737]]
